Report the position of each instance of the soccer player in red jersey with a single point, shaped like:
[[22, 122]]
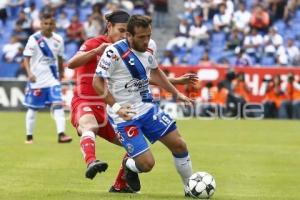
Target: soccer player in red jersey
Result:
[[89, 110]]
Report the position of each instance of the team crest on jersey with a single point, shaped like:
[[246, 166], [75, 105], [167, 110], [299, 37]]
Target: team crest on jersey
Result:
[[131, 131], [150, 60], [42, 44], [56, 45], [129, 148], [131, 61]]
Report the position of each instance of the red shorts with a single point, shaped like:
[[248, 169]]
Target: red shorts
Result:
[[80, 107]]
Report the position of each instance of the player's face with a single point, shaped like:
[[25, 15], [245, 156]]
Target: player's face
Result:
[[117, 31], [140, 39], [47, 25]]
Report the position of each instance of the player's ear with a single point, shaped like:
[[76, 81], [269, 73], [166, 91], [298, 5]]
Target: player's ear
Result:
[[129, 35]]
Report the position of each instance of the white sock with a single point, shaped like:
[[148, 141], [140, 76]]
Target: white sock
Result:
[[130, 163], [184, 167], [88, 134], [30, 121], [59, 117]]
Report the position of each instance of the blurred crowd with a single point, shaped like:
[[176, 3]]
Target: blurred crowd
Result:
[[76, 21], [236, 33], [231, 97]]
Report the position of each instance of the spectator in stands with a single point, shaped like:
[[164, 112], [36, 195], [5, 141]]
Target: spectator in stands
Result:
[[92, 27], [253, 45], [75, 31], [168, 58], [205, 61], [25, 22], [198, 32], [243, 60], [260, 19], [288, 55], [272, 41], [34, 16], [62, 22], [222, 20], [181, 37], [276, 9], [240, 87], [3, 11], [20, 33], [293, 91], [219, 98], [160, 12], [234, 40], [241, 18], [229, 7], [276, 99], [11, 50], [15, 7], [56, 5]]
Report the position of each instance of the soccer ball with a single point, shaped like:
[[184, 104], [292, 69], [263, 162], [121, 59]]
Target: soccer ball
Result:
[[201, 185]]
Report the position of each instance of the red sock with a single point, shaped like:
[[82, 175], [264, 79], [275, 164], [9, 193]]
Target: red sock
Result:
[[87, 145], [120, 181]]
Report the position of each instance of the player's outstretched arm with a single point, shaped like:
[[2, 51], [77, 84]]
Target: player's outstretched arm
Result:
[[160, 78], [184, 79], [60, 67], [83, 57]]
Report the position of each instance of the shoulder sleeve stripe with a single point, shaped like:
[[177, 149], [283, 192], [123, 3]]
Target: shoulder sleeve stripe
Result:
[[150, 50]]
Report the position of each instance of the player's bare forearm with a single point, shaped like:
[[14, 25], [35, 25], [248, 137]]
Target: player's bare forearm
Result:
[[100, 87], [185, 79], [60, 66], [26, 64], [158, 77], [82, 57]]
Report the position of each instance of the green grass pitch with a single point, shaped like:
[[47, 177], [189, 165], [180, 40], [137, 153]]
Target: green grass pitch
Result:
[[255, 160]]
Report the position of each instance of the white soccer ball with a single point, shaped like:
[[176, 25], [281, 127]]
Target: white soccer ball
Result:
[[201, 185]]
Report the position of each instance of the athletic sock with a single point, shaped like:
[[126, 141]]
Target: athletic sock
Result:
[[59, 117], [120, 181], [130, 163], [87, 144], [30, 123], [183, 165]]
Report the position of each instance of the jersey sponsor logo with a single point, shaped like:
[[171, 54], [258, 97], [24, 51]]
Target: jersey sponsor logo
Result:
[[86, 109], [131, 131], [109, 53], [42, 44], [37, 92], [105, 64], [115, 57], [136, 85]]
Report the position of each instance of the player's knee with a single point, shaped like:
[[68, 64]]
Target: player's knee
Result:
[[179, 147], [147, 165], [89, 126]]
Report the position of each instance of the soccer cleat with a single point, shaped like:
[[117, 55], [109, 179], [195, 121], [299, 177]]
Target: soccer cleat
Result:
[[95, 167], [132, 178], [63, 138], [122, 190], [29, 142]]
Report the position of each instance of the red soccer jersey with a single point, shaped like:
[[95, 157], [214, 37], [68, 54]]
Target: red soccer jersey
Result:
[[84, 74]]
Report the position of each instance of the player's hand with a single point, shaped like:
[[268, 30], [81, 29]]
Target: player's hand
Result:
[[32, 78], [126, 113], [188, 78], [184, 98], [101, 48]]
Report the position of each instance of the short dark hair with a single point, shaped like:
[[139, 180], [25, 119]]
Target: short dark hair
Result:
[[138, 21], [46, 15]]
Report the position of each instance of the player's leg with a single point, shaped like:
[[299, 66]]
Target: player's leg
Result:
[[34, 99], [140, 157], [160, 126], [85, 122], [30, 123], [107, 132], [182, 160]]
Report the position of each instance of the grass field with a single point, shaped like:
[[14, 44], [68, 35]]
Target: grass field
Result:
[[257, 160]]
